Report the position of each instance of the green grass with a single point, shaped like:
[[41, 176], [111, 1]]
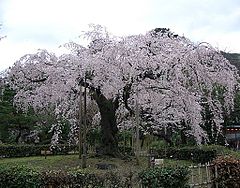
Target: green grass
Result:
[[69, 162], [39, 162]]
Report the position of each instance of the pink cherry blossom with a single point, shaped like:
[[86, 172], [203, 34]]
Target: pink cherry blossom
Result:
[[170, 76]]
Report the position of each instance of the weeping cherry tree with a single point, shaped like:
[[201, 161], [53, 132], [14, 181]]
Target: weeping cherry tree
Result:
[[169, 77]]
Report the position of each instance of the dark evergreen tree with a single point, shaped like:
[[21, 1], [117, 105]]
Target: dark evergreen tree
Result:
[[15, 126]]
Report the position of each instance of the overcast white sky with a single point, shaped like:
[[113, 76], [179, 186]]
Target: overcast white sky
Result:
[[34, 24]]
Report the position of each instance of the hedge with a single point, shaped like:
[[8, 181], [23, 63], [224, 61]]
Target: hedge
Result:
[[25, 177], [7, 151], [19, 176], [166, 177], [194, 154]]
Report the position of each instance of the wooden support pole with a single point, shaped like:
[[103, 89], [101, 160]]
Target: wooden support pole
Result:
[[137, 130], [216, 176], [45, 154], [208, 175], [80, 124], [192, 177], [199, 174], [84, 155]]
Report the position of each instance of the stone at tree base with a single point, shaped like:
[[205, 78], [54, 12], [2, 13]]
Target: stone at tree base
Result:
[[105, 166]]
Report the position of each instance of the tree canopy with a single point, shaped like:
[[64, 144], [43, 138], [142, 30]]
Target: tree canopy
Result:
[[168, 75]]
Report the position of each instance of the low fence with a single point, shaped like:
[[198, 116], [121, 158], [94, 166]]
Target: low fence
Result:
[[203, 175]]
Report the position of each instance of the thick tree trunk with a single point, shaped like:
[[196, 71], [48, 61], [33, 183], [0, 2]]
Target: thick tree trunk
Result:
[[109, 142]]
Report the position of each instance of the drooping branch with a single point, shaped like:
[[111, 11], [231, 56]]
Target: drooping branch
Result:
[[34, 80], [38, 80], [168, 70]]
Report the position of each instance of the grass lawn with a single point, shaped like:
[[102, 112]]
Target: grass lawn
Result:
[[69, 162], [50, 163]]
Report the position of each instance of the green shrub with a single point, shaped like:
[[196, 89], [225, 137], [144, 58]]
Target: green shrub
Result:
[[83, 179], [126, 150], [8, 151], [166, 177], [195, 154], [24, 177], [112, 180], [124, 136], [19, 176], [94, 137], [78, 178], [221, 150], [54, 178], [158, 145], [20, 150]]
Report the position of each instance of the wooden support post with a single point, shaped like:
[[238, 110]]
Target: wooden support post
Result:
[[192, 178], [45, 154], [133, 140], [80, 124], [216, 176], [137, 131], [124, 140], [208, 175], [84, 155]]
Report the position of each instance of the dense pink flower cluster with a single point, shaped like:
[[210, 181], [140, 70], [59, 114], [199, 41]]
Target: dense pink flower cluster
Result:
[[170, 76]]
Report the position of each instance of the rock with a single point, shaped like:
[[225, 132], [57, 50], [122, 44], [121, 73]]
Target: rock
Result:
[[105, 166]]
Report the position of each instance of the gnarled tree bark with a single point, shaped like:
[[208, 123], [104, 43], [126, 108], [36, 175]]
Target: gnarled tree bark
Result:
[[109, 129]]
